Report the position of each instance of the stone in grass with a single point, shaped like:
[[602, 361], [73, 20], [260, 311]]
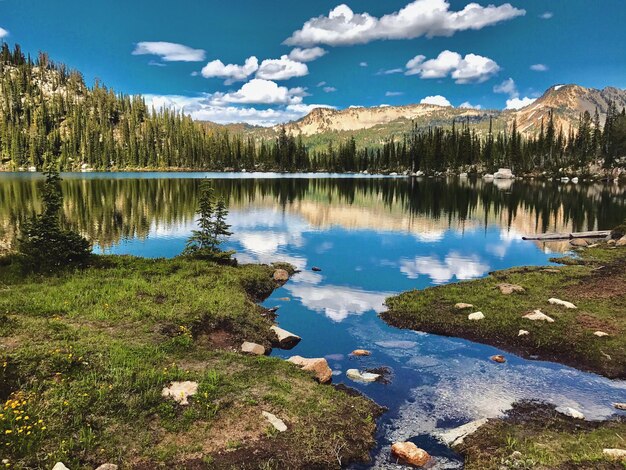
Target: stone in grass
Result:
[[615, 454], [317, 365], [281, 275], [621, 241], [180, 391], [463, 306], [572, 412], [578, 242], [361, 352], [252, 348], [476, 316], [410, 453], [538, 315], [359, 376], [523, 333], [107, 466], [562, 303], [60, 466], [286, 340], [600, 334], [278, 423], [500, 359], [508, 289], [619, 406]]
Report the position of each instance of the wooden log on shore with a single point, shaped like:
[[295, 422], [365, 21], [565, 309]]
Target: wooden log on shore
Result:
[[569, 236]]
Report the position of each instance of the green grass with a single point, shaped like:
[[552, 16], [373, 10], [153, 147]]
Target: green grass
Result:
[[85, 354], [599, 294]]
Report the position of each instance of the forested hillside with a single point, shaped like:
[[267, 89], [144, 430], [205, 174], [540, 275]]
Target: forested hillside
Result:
[[49, 113]]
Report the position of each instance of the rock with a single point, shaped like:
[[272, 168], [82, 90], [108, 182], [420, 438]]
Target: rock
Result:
[[361, 352], [538, 315], [562, 303], [503, 173], [278, 423], [516, 455], [573, 412], [507, 289], [252, 348], [476, 316], [316, 269], [107, 466], [551, 271], [454, 437], [575, 180], [621, 241], [359, 376], [273, 309], [410, 453], [286, 340], [611, 243], [462, 306], [578, 242], [615, 454], [180, 391], [523, 333], [60, 466], [280, 275], [317, 365], [487, 176], [600, 334], [498, 358], [619, 406]]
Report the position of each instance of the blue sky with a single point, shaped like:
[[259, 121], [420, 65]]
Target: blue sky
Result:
[[362, 53]]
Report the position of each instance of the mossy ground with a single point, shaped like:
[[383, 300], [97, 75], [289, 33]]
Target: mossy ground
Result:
[[595, 282], [546, 439], [84, 355]]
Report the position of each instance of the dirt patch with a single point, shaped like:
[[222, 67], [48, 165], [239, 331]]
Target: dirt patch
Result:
[[218, 339], [594, 323]]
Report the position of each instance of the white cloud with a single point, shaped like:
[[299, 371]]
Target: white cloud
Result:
[[307, 54], [363, 64], [436, 99], [203, 108], [329, 89], [231, 72], [546, 15], [281, 69], [469, 69], [518, 103], [389, 71], [259, 91], [539, 67], [394, 93], [169, 51], [468, 105], [453, 265], [3, 33], [429, 18], [320, 84]]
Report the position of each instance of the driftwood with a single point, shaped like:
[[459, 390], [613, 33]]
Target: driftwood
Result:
[[569, 236]]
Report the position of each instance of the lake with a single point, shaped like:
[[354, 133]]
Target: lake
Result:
[[371, 237]]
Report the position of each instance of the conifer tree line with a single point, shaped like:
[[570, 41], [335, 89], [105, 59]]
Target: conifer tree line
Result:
[[49, 114]]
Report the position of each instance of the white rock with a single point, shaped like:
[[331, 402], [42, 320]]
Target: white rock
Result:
[[538, 315], [487, 176], [621, 241], [60, 466], [562, 303], [252, 348], [278, 423], [503, 173], [615, 454], [107, 466], [575, 179], [600, 334], [462, 306], [573, 412], [578, 242], [523, 333], [454, 437], [285, 338], [359, 376], [476, 316], [620, 406], [180, 391]]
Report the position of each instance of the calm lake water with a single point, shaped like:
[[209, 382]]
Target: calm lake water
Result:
[[372, 237]]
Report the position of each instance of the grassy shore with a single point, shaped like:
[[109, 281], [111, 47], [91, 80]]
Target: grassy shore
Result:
[[595, 282], [85, 354]]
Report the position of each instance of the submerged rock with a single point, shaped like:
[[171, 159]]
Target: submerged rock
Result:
[[278, 423], [410, 453], [316, 269], [252, 348], [538, 315], [615, 454], [280, 275], [498, 358], [359, 376], [562, 303], [317, 365], [508, 289], [463, 306], [286, 340], [180, 391], [361, 352], [454, 437], [476, 316]]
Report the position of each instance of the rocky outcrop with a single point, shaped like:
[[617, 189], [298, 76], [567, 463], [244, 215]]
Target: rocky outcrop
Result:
[[317, 365]]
